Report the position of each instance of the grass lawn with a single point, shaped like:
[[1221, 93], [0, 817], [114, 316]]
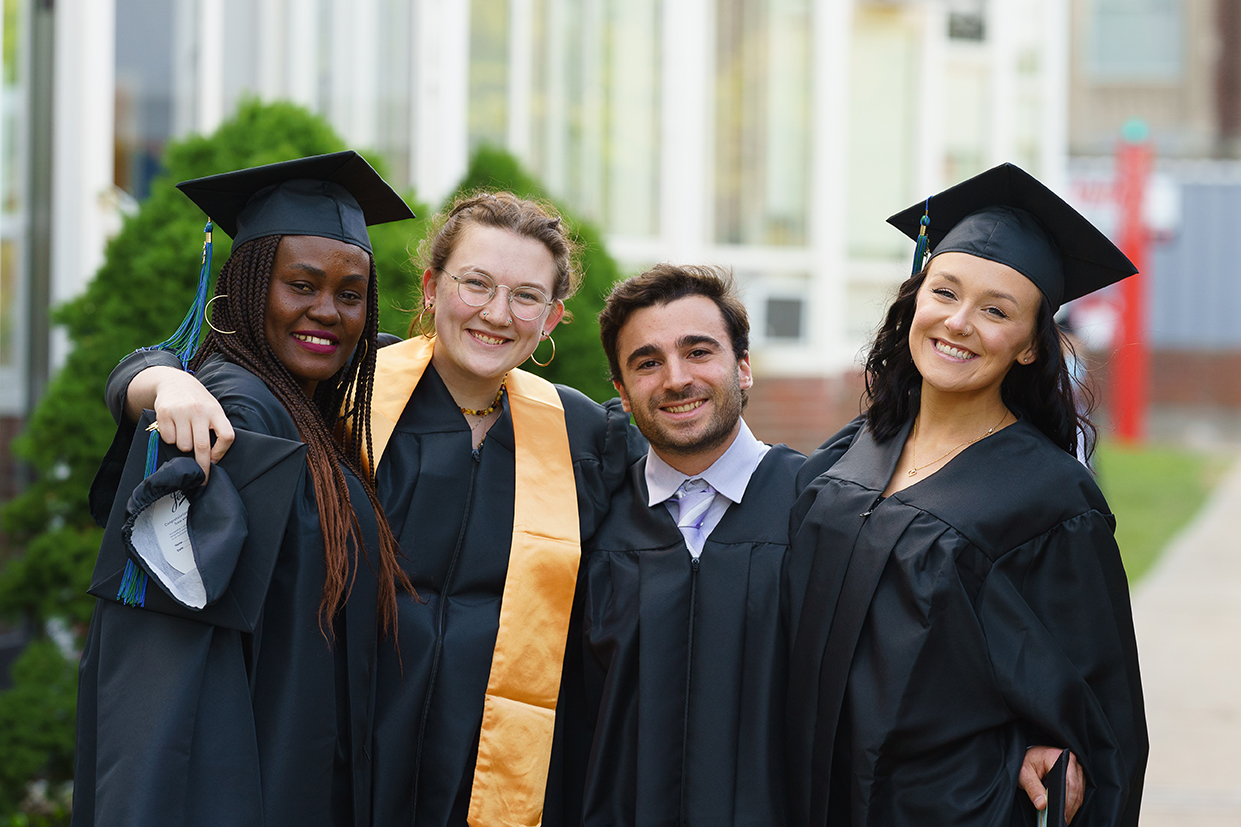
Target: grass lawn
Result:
[[1153, 491]]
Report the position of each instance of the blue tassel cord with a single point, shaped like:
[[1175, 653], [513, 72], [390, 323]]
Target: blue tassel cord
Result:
[[182, 344], [133, 591]]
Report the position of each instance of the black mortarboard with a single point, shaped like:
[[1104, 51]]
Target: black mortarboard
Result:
[[333, 196], [235, 527], [1005, 215]]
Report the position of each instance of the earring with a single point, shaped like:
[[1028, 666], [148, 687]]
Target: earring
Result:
[[548, 337], [207, 316], [420, 324]]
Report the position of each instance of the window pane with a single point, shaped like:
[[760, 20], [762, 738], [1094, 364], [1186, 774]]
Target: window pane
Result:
[[1136, 40], [763, 121]]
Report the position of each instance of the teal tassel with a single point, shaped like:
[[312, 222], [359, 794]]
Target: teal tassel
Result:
[[133, 591], [184, 342], [920, 250]]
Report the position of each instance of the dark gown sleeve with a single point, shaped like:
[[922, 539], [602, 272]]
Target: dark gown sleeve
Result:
[[602, 441], [103, 488], [125, 371], [1059, 631], [808, 484], [827, 454]]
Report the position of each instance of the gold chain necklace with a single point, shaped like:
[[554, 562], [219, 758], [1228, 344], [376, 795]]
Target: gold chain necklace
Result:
[[913, 447], [488, 411]]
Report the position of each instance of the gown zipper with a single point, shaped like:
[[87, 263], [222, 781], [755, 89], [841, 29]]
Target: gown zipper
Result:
[[689, 667]]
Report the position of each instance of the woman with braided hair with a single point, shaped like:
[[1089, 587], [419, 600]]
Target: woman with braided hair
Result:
[[269, 723], [491, 478]]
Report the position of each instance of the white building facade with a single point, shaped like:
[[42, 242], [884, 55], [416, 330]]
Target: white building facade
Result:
[[770, 136]]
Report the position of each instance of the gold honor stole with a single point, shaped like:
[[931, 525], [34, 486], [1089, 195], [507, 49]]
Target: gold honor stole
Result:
[[519, 713]]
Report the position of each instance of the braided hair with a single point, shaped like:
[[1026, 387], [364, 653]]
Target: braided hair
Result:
[[343, 400]]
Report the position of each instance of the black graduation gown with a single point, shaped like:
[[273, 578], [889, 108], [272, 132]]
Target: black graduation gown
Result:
[[181, 722], [452, 510], [686, 659], [941, 631]]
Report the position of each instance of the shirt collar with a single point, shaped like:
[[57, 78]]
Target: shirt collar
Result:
[[729, 475]]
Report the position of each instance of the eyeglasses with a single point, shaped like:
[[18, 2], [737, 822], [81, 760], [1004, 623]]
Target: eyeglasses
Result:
[[477, 289]]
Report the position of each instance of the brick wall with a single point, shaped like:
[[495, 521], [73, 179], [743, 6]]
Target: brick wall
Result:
[[802, 412], [1186, 377]]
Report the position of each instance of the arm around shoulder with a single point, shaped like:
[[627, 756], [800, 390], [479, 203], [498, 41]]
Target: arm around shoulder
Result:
[[186, 412]]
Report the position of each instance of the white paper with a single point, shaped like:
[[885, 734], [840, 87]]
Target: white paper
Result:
[[161, 537]]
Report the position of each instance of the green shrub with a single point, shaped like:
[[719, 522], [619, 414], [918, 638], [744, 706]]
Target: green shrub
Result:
[[36, 727]]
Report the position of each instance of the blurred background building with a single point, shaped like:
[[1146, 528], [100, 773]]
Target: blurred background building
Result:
[[772, 136], [1176, 64]]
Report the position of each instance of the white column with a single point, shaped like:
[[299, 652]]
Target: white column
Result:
[[933, 104], [82, 211], [520, 77], [442, 44], [271, 34], [210, 75], [1054, 120], [686, 120], [352, 36], [556, 99], [826, 312], [301, 53], [1002, 53]]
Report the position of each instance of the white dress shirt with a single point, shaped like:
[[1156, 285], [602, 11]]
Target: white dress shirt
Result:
[[729, 475]]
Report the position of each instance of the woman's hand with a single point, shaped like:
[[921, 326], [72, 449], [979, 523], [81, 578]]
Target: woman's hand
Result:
[[187, 414], [1038, 763]]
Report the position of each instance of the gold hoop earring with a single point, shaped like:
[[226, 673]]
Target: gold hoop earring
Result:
[[420, 323], [207, 316], [548, 337]]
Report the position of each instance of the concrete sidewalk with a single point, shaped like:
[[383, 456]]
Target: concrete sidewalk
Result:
[[1187, 613]]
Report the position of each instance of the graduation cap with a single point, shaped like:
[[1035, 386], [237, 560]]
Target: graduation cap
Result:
[[210, 549], [333, 196], [1005, 215]]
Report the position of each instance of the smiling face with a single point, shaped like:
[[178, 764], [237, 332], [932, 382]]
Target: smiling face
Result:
[[316, 306], [973, 321], [476, 346], [681, 381]]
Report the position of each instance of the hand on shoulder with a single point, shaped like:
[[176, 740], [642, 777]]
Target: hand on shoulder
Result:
[[186, 412]]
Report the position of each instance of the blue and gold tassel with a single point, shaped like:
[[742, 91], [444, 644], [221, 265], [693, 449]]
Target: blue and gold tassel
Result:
[[920, 250]]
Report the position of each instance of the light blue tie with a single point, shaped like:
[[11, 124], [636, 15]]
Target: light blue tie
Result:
[[694, 499]]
